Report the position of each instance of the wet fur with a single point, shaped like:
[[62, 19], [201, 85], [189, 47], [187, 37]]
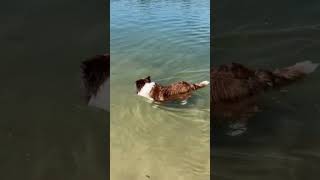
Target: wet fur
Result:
[[178, 91]]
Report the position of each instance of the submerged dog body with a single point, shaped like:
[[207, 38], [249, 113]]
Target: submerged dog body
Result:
[[179, 91]]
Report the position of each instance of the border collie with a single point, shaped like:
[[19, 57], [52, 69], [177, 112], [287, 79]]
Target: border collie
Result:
[[179, 91], [235, 89]]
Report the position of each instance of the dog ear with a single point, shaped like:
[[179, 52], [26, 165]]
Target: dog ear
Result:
[[149, 79]]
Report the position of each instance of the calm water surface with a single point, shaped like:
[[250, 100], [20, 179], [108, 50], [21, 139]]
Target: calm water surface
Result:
[[46, 130], [283, 140], [168, 40]]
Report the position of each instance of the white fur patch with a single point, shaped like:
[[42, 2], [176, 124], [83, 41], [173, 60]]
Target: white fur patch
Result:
[[146, 89], [306, 66], [102, 99], [205, 83]]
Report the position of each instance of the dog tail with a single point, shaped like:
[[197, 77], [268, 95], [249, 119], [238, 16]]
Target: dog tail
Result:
[[285, 76], [295, 72], [200, 85], [299, 69]]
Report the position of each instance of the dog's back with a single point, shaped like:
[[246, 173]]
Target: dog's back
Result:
[[176, 91]]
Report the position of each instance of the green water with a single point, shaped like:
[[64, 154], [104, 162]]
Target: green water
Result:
[[168, 40], [282, 141], [46, 131]]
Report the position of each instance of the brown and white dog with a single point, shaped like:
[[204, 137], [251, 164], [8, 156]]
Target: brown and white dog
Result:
[[179, 91], [235, 88], [96, 83]]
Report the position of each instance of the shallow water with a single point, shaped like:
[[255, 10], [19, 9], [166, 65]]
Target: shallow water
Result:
[[46, 130], [282, 141], [168, 40]]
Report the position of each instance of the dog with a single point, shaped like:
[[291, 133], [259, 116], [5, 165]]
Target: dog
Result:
[[96, 81], [179, 91], [235, 89]]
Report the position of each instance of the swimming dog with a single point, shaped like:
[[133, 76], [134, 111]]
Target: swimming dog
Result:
[[235, 88], [179, 91]]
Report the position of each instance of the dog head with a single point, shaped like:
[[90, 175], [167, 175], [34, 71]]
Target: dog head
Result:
[[141, 82], [95, 76]]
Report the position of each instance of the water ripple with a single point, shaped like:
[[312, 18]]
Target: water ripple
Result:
[[168, 40]]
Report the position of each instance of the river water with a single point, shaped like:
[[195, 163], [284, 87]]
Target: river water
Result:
[[46, 130], [168, 40]]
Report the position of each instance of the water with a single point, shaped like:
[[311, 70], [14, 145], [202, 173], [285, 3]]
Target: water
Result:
[[282, 141], [168, 40], [46, 131]]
